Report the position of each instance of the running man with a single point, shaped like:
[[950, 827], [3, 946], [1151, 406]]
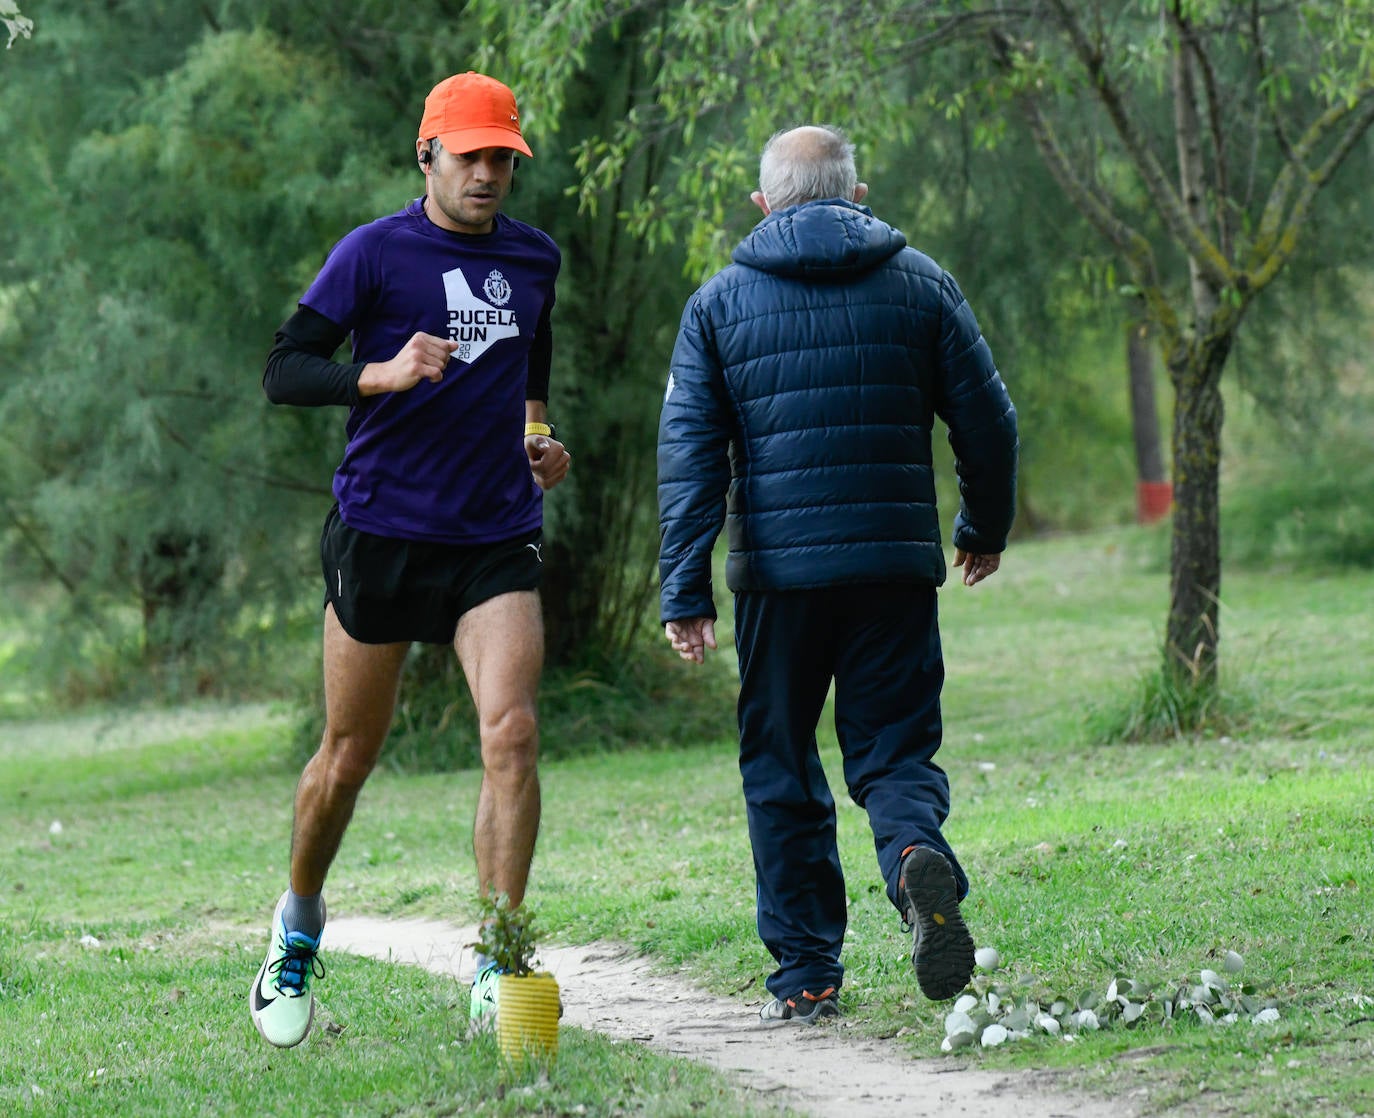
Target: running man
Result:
[[436, 532]]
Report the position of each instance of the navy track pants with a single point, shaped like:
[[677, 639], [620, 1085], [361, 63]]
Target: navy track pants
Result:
[[880, 644]]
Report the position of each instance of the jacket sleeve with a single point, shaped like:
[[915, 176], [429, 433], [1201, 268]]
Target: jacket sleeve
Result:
[[973, 402], [693, 470]]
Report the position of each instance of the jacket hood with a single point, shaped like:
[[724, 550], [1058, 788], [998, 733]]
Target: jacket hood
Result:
[[824, 240]]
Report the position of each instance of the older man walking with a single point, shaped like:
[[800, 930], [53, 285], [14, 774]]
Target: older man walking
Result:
[[805, 383]]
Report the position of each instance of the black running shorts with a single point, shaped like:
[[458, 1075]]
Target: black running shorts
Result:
[[387, 590]]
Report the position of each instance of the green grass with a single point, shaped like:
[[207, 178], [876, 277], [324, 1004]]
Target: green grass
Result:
[[169, 852], [1088, 860], [151, 1027]]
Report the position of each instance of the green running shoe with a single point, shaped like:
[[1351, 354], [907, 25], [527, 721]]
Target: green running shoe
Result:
[[281, 1003], [486, 992]]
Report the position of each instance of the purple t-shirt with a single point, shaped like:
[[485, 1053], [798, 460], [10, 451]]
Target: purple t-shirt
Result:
[[441, 462]]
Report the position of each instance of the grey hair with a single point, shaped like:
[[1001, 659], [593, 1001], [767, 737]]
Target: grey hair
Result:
[[818, 163]]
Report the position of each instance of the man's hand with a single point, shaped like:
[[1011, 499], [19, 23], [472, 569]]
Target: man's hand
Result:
[[549, 460], [424, 357], [976, 567], [691, 637]]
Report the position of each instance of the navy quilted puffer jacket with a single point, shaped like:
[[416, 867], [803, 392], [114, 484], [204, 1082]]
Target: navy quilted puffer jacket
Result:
[[804, 386]]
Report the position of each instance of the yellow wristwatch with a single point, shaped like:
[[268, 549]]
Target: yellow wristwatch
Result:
[[541, 429]]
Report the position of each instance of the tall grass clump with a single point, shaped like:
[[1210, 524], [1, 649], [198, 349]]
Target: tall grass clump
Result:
[[1164, 703]]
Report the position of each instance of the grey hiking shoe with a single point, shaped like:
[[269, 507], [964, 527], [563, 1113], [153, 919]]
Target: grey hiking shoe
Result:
[[805, 1008], [942, 949]]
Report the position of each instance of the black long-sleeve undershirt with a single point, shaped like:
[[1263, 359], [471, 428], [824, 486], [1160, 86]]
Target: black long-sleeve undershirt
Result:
[[301, 370]]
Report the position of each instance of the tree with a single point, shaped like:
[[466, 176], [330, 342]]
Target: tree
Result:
[[200, 175], [617, 301], [154, 258], [1218, 122], [174, 181], [1228, 66]]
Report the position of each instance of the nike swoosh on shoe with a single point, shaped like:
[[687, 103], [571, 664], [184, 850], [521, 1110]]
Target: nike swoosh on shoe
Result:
[[259, 1001]]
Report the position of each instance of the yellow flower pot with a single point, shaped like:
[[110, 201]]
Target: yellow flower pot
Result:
[[527, 1017]]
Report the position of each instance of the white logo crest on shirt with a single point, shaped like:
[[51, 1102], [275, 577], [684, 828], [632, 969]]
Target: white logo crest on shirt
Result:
[[476, 326], [497, 288]]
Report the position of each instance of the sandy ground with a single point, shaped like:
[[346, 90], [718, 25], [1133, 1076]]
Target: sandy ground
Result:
[[825, 1071]]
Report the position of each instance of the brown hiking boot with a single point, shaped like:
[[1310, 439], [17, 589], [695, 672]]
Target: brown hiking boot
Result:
[[942, 949]]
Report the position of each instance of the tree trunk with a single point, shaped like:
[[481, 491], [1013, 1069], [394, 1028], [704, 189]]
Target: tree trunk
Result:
[[1195, 567], [1190, 651], [1153, 491], [176, 574], [599, 572], [620, 303]]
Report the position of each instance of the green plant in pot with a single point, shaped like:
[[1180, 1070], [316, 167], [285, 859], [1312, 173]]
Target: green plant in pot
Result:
[[524, 1001]]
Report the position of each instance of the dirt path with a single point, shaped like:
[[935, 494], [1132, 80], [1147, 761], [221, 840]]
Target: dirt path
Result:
[[826, 1071]]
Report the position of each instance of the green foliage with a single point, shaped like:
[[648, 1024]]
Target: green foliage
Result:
[[711, 120], [1046, 299], [177, 173], [618, 307], [1305, 500], [508, 934], [1093, 88], [136, 468], [1296, 487]]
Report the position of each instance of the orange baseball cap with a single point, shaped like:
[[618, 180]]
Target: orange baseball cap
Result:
[[472, 111]]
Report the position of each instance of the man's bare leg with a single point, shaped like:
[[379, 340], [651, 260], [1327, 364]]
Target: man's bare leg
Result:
[[360, 693], [360, 682], [500, 645]]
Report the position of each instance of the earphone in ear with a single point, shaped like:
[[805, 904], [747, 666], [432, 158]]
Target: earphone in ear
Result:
[[426, 157]]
